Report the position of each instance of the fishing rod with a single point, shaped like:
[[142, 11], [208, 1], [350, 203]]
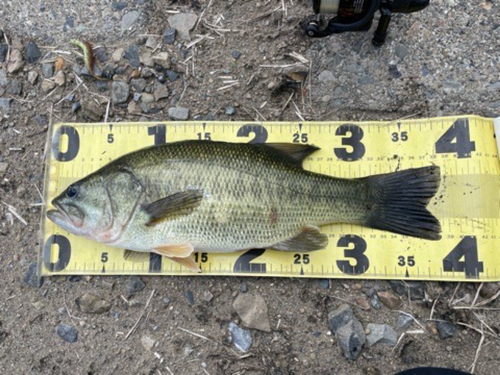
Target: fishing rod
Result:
[[358, 15]]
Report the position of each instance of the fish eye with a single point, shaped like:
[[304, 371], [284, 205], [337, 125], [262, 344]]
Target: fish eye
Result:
[[72, 191]]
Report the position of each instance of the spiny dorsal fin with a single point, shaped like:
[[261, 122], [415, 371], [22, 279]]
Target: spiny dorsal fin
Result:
[[181, 203], [308, 239], [296, 151]]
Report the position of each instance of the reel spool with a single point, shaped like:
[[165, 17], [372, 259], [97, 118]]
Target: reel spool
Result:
[[357, 15]]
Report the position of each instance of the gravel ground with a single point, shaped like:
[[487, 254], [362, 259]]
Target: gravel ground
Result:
[[442, 61]]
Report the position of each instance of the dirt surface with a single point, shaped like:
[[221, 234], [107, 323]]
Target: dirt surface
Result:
[[442, 61]]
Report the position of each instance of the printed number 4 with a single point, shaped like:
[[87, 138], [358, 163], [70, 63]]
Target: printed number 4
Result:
[[466, 250]]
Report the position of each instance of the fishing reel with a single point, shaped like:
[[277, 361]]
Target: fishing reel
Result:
[[357, 15]]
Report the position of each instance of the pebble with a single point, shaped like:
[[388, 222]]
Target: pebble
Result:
[[243, 287], [375, 302], [47, 85], [38, 305], [32, 53], [415, 288], [15, 87], [351, 338], [389, 299], [32, 77], [401, 51], [340, 317], [119, 92], [169, 35], [189, 296], [139, 84], [162, 59], [362, 301], [31, 278], [47, 70], [134, 285], [151, 42], [489, 289], [160, 91], [133, 107], [147, 59], [67, 333], [16, 61], [207, 296], [252, 309], [382, 334], [297, 73], [92, 304], [91, 109], [241, 338], [137, 96], [178, 113], [3, 78], [404, 321], [60, 78], [117, 55], [183, 23], [148, 343], [326, 76], [394, 72], [147, 98], [102, 86], [230, 110], [3, 166], [119, 5], [172, 76], [236, 54], [3, 52], [76, 106], [446, 330], [129, 19], [132, 55]]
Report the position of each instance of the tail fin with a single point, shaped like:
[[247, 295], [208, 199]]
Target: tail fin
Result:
[[400, 200]]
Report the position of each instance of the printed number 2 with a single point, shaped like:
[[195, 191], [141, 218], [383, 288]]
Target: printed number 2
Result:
[[357, 253], [460, 132], [301, 258], [466, 250]]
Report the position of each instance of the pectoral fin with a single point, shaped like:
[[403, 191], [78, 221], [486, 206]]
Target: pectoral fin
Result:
[[182, 203], [308, 239], [174, 251], [188, 262]]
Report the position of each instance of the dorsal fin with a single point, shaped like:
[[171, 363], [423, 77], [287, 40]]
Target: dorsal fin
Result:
[[298, 152]]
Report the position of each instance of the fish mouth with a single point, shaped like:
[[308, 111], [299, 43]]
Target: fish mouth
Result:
[[64, 218]]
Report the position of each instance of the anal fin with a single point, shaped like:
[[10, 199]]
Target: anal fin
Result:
[[308, 239]]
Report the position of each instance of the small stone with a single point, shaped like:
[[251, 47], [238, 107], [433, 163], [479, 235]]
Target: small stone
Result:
[[119, 5], [236, 54], [62, 311], [134, 285], [147, 98], [252, 310], [47, 85], [38, 305], [119, 92], [326, 76], [102, 86], [230, 110], [92, 304], [297, 73], [132, 55], [16, 61], [389, 299], [178, 113], [366, 79], [3, 78], [91, 109], [148, 343], [133, 108], [137, 96], [3, 167], [363, 302], [162, 59], [139, 84], [243, 287], [108, 285], [375, 302], [147, 59], [129, 19], [340, 317], [183, 23], [240, 337], [15, 87], [404, 321], [169, 35], [446, 330], [67, 333], [207, 296], [151, 42], [172, 76], [189, 296], [351, 338], [31, 278], [401, 51], [381, 333], [3, 52], [414, 288], [74, 278], [47, 70], [75, 107], [160, 91], [32, 77], [60, 78], [41, 120], [117, 55], [489, 290], [32, 53], [394, 72]]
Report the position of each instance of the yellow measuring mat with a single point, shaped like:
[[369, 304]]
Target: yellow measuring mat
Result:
[[467, 203]]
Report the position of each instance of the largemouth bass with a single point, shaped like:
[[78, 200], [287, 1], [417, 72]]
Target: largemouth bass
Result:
[[207, 196]]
